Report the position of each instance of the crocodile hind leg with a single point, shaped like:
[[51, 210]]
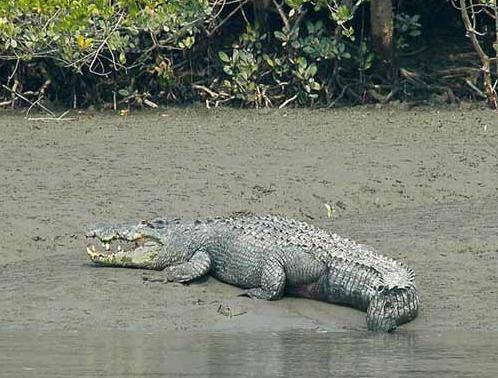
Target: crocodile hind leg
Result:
[[198, 266], [272, 282]]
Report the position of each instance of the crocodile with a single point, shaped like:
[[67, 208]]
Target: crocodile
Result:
[[267, 256]]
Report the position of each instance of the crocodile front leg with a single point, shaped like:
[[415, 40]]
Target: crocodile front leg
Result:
[[198, 266]]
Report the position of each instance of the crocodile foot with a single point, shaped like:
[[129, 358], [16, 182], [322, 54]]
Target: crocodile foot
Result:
[[258, 293]]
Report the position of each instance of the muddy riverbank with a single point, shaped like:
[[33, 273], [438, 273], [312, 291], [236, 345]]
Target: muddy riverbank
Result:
[[419, 185]]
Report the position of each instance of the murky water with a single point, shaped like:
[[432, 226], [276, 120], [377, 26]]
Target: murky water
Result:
[[287, 354]]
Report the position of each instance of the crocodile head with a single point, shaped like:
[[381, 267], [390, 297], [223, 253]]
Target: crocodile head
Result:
[[124, 245]]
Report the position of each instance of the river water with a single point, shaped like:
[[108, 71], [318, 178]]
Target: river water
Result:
[[258, 354]]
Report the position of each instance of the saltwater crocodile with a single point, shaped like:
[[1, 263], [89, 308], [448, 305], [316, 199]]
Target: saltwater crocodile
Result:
[[268, 256]]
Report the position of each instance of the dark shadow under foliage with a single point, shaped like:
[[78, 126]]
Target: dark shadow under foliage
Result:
[[304, 53]]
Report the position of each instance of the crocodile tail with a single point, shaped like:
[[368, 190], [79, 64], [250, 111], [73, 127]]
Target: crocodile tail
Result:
[[392, 307]]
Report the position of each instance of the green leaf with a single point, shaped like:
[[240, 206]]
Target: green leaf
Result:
[[302, 62], [312, 70], [309, 50], [295, 45], [223, 56], [315, 86], [342, 15], [122, 57], [279, 35], [311, 27]]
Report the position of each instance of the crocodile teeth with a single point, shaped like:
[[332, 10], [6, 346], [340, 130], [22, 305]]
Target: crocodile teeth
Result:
[[119, 248], [92, 252], [107, 246]]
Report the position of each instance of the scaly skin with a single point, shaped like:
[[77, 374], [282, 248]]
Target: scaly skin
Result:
[[268, 256]]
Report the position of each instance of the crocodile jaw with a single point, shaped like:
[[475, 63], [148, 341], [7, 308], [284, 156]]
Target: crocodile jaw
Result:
[[139, 257], [125, 249]]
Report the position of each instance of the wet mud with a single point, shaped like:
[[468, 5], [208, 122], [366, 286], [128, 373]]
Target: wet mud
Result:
[[419, 185]]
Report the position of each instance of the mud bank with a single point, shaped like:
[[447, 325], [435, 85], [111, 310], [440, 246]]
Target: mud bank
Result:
[[420, 186]]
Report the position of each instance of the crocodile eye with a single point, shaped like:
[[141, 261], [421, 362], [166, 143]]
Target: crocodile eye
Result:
[[380, 289]]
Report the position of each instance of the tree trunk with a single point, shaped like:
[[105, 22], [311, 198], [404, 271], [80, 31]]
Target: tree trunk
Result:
[[261, 13], [381, 29]]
